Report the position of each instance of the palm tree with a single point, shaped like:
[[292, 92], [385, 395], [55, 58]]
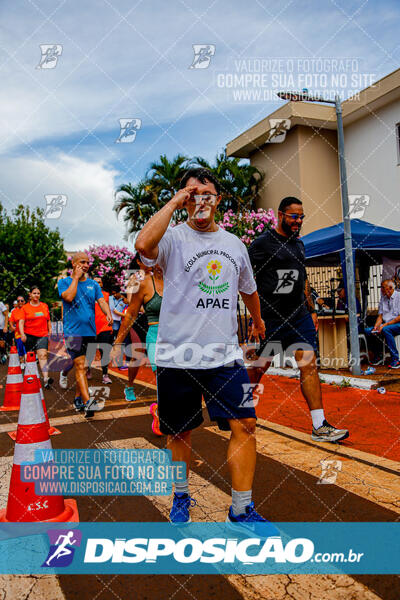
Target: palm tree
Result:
[[137, 203], [240, 184], [164, 176]]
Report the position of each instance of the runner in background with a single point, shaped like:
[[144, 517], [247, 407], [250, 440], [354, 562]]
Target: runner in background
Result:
[[80, 295], [148, 296], [104, 336], [3, 331], [17, 314], [117, 305], [35, 328]]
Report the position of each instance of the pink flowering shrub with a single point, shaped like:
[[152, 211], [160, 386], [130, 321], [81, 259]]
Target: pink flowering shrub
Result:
[[248, 225], [109, 262]]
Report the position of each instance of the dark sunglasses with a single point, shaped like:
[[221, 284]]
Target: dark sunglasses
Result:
[[294, 216]]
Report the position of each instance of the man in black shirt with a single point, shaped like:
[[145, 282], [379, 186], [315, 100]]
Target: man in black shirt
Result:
[[278, 260]]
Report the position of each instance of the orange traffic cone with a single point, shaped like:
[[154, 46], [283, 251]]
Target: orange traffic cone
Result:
[[31, 369], [32, 434], [12, 395]]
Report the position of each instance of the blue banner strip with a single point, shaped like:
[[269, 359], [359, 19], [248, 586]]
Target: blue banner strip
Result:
[[200, 548]]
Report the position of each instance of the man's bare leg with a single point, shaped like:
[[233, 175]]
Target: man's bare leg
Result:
[[81, 379], [133, 367], [181, 448], [242, 453], [311, 390], [256, 372], [309, 379], [42, 358]]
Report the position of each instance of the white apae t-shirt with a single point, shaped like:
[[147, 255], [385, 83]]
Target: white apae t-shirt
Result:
[[203, 273]]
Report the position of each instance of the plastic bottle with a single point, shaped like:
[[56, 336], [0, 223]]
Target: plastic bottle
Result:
[[369, 371]]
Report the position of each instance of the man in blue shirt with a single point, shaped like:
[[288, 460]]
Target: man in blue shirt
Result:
[[79, 294]]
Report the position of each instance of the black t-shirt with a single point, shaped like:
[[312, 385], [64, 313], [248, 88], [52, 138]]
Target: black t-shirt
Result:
[[280, 273]]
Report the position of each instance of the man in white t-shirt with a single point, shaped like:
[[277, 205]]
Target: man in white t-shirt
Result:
[[197, 352]]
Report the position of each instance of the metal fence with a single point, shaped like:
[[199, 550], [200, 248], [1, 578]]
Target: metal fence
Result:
[[374, 284], [320, 279]]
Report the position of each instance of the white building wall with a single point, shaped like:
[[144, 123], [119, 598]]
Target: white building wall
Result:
[[372, 164]]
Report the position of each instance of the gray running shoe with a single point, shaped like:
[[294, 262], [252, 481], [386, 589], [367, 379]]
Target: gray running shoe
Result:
[[327, 433]]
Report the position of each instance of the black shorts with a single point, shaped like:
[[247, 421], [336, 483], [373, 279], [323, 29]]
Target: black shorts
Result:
[[105, 337], [226, 390], [77, 345], [34, 343], [141, 326], [299, 333]]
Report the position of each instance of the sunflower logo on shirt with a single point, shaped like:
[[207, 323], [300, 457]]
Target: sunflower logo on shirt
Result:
[[214, 268]]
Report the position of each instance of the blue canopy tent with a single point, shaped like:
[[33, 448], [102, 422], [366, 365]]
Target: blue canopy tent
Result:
[[326, 248]]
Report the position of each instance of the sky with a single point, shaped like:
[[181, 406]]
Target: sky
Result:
[[137, 59]]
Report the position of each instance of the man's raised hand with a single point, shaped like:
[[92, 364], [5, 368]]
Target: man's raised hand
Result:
[[77, 272], [182, 196]]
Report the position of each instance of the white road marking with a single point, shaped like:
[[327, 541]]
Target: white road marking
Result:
[[129, 411]]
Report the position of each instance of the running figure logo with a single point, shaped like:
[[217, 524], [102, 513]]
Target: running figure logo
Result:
[[278, 130], [251, 394], [202, 56], [54, 205], [286, 280], [330, 469], [61, 552], [50, 55], [358, 205], [128, 130], [98, 395]]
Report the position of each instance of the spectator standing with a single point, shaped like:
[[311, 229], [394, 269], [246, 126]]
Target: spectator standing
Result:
[[117, 306], [35, 327]]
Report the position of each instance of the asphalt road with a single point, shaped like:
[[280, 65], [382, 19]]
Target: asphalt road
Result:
[[285, 489]]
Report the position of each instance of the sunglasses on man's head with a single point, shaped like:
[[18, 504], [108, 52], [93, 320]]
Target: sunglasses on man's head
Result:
[[294, 217]]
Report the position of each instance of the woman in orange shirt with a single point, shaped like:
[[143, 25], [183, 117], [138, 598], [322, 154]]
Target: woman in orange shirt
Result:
[[35, 327]]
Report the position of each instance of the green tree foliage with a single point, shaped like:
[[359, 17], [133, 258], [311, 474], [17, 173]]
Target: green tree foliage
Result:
[[240, 183], [30, 254]]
